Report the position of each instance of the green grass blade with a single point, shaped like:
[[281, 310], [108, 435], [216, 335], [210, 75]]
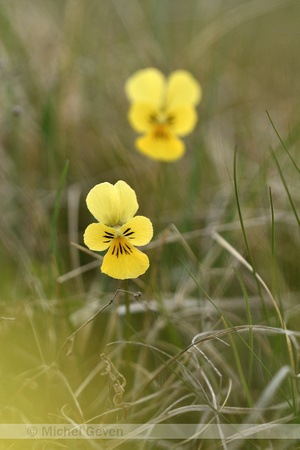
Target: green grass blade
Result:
[[275, 287], [286, 187], [250, 323], [244, 232], [283, 144], [54, 221]]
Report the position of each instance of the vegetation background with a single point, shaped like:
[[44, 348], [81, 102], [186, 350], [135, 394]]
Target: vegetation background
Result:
[[225, 252]]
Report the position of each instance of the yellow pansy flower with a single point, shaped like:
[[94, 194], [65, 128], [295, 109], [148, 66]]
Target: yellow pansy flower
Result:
[[117, 230], [163, 109]]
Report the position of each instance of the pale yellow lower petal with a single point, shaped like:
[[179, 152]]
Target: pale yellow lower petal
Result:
[[123, 261], [182, 120], [103, 203], [141, 116], [182, 89], [98, 237], [128, 204], [146, 85], [138, 230], [165, 148]]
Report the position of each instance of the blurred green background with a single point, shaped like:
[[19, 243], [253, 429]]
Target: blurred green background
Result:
[[63, 65]]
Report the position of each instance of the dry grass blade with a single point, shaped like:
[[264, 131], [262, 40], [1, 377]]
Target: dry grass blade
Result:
[[238, 256], [78, 271]]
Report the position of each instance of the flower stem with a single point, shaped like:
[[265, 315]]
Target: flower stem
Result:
[[127, 303], [127, 324]]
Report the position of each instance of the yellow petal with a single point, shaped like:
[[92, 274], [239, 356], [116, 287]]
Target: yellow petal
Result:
[[163, 148], [141, 116], [103, 202], [182, 89], [182, 120], [98, 237], [124, 261], [138, 231], [147, 85], [128, 204]]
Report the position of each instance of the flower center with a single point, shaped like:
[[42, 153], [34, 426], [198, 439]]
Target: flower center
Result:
[[118, 233], [162, 118], [161, 123], [128, 234]]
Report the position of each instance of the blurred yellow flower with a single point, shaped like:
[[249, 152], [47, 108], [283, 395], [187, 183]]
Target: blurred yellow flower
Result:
[[163, 110], [117, 230]]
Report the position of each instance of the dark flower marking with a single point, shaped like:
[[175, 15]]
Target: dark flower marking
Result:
[[171, 119], [152, 118], [120, 248], [126, 251], [108, 236], [128, 233]]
